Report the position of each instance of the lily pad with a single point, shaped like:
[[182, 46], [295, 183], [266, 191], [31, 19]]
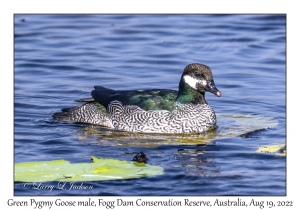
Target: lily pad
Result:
[[229, 125], [279, 149], [100, 169]]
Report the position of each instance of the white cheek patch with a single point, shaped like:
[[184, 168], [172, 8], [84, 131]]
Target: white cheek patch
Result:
[[191, 81], [203, 82]]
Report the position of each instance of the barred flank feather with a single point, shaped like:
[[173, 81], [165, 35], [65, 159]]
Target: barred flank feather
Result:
[[185, 118], [86, 113]]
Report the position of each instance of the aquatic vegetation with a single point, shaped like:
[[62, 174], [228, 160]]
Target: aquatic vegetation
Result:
[[279, 149], [99, 169]]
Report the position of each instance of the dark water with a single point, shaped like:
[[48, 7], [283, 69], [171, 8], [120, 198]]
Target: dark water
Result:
[[59, 58]]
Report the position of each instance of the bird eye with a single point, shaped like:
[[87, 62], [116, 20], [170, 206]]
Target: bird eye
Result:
[[197, 74]]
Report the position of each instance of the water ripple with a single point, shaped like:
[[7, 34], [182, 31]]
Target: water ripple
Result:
[[59, 58]]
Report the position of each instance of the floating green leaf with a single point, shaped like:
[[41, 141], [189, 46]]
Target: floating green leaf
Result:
[[99, 169], [230, 125], [280, 149]]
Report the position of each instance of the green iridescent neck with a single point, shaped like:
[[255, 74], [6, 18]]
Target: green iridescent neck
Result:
[[187, 94]]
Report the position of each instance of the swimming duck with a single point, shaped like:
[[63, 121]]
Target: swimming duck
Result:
[[151, 111]]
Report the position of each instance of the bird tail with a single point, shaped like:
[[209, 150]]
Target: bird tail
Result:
[[91, 113]]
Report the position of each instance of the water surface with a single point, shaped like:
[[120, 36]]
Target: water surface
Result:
[[59, 58]]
